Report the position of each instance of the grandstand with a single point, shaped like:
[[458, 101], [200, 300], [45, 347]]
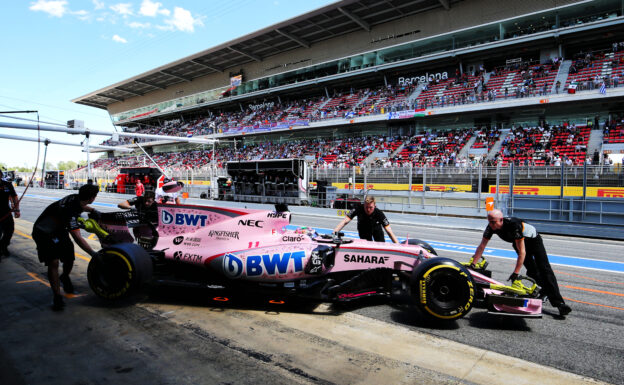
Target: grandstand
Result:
[[391, 83]]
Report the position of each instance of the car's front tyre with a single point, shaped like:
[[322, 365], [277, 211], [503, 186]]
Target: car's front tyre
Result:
[[442, 288]]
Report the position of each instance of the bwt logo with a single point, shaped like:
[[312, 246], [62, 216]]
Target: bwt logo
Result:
[[258, 265], [167, 217], [183, 219]]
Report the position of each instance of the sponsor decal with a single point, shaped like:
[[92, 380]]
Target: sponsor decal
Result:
[[518, 190], [359, 258], [191, 257], [166, 217], [250, 223], [288, 238], [610, 192], [223, 235], [277, 215], [177, 255], [191, 241], [265, 264], [182, 219], [355, 295], [178, 240]]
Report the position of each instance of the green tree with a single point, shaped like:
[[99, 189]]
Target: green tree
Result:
[[67, 165]]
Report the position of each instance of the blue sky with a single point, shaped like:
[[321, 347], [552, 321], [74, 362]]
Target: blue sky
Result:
[[57, 50]]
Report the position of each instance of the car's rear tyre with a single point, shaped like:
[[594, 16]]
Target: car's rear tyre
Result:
[[442, 288], [422, 244], [119, 271]]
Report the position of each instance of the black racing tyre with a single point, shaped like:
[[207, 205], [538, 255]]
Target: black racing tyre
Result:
[[442, 288], [119, 271], [422, 244]]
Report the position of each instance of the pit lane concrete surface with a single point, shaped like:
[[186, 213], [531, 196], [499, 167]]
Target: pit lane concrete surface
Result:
[[192, 336]]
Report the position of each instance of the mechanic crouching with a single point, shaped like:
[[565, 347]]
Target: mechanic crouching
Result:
[[531, 253], [50, 233], [371, 222]]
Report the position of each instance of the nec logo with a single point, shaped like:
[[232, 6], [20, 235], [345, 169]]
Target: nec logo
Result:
[[250, 223]]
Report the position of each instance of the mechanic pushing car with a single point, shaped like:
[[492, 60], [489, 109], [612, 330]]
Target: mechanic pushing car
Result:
[[531, 253], [53, 244], [7, 225], [371, 222]]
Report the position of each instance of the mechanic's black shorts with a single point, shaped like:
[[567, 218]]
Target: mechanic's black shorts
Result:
[[51, 247]]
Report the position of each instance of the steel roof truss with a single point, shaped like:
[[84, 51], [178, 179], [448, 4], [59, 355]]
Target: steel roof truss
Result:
[[251, 56], [294, 38]]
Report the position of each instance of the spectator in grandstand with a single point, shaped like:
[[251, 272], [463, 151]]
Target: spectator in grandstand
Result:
[[531, 253], [371, 222], [53, 243], [7, 225]]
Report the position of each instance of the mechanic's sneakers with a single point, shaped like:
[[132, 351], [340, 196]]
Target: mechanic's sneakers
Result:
[[68, 287], [564, 309], [58, 303]]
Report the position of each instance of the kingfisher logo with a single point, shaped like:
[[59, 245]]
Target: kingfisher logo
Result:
[[265, 264], [183, 219]]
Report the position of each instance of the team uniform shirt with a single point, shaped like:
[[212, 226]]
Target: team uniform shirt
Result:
[[6, 192], [146, 214], [139, 189], [60, 217], [368, 225], [512, 229]]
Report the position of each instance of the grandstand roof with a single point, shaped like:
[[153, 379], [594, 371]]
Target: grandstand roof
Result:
[[328, 22]]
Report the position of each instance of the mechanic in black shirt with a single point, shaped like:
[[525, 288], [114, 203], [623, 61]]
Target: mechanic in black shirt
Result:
[[371, 222], [7, 225], [50, 233], [531, 253], [145, 206]]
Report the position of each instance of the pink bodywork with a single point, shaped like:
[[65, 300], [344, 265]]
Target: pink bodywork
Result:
[[532, 306], [254, 244]]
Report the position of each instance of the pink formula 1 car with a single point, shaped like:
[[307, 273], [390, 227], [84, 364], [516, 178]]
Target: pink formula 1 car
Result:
[[252, 250]]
